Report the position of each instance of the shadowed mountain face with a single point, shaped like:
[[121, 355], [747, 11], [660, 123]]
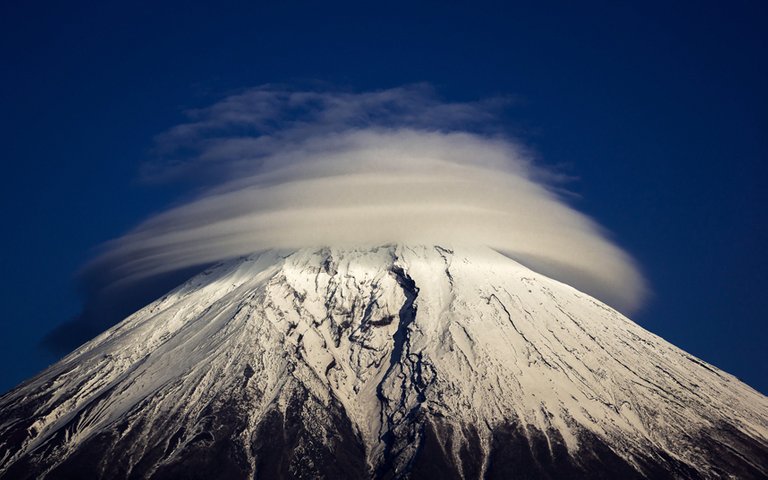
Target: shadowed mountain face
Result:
[[390, 362]]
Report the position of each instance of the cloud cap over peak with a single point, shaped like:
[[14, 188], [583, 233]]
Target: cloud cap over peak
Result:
[[282, 168]]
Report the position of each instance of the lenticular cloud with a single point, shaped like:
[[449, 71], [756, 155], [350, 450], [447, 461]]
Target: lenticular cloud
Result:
[[290, 169]]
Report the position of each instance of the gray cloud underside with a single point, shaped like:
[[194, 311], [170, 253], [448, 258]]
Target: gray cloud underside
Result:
[[297, 169]]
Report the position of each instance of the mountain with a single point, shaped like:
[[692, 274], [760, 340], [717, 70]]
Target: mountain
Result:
[[389, 362]]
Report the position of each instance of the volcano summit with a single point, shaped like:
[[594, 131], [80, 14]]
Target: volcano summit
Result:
[[390, 362]]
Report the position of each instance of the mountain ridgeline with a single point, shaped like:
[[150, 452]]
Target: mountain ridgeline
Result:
[[390, 362]]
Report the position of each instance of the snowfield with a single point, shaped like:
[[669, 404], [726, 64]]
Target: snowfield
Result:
[[388, 362]]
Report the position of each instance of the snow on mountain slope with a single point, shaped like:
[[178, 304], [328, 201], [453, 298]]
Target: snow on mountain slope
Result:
[[389, 362]]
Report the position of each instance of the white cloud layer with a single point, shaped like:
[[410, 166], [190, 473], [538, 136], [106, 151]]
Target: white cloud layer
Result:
[[288, 169]]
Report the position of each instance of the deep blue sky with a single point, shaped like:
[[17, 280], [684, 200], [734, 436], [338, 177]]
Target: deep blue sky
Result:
[[659, 109]]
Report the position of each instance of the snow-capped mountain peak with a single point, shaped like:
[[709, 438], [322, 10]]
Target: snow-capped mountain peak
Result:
[[388, 362]]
